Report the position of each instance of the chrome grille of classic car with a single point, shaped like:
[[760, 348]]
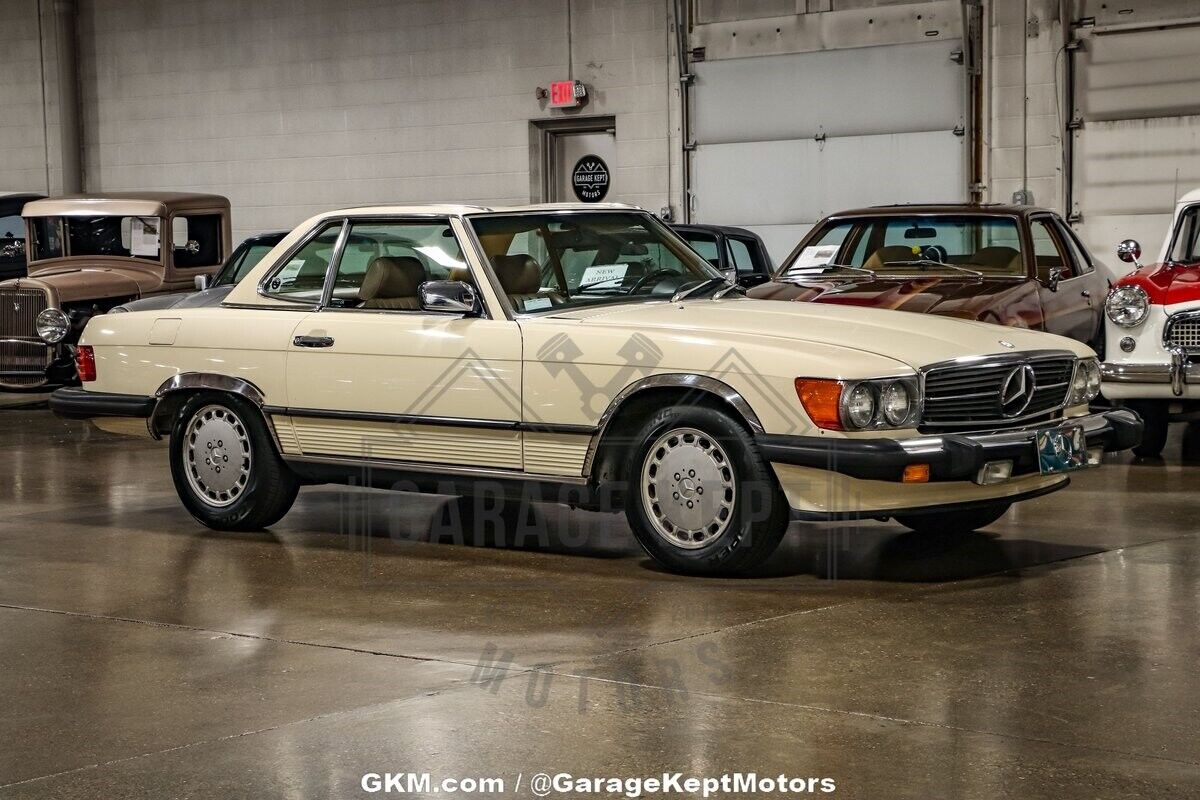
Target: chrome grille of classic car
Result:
[[995, 393], [23, 356], [1183, 330]]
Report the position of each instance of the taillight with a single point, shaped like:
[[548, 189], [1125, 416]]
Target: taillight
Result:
[[822, 401], [85, 362]]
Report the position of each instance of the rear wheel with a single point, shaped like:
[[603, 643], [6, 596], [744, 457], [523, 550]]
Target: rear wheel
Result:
[[955, 521], [225, 467], [702, 500], [1154, 414]]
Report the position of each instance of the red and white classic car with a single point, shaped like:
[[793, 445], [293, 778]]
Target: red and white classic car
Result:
[[1152, 359]]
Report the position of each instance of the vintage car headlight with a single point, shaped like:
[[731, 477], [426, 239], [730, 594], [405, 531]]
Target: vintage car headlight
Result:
[[1085, 382], [1127, 306], [52, 325], [860, 405]]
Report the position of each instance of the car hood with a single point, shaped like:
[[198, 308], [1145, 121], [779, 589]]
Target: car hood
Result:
[[208, 298], [911, 339], [1166, 284], [955, 296], [88, 283]]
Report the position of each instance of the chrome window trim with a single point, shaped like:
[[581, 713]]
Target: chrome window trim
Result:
[[351, 221], [278, 266]]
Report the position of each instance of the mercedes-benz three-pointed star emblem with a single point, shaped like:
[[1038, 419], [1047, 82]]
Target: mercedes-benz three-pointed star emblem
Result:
[[1016, 393]]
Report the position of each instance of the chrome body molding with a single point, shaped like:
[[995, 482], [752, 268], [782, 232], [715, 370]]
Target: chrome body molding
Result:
[[480, 473], [211, 380], [699, 383]]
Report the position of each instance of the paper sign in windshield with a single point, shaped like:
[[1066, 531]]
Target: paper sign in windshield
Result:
[[603, 273]]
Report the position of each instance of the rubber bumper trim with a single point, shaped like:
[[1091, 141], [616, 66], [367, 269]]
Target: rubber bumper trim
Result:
[[73, 402], [951, 457]]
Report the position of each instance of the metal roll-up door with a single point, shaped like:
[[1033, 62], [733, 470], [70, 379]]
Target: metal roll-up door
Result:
[[1136, 133], [783, 140]]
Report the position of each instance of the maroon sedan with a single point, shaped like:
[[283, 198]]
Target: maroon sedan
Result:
[[1009, 265]]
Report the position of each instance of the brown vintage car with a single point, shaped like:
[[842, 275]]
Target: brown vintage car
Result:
[[89, 253], [1011, 265]]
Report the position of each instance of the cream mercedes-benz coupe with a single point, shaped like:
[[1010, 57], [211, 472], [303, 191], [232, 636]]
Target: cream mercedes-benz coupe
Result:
[[586, 355]]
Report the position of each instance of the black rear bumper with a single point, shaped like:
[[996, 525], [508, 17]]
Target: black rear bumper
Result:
[[951, 457], [74, 402]]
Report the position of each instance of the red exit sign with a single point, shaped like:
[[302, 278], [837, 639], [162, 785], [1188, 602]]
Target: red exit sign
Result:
[[567, 94]]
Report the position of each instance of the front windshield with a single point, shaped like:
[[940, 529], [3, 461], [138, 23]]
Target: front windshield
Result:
[[943, 244], [124, 237], [554, 261], [1186, 247]]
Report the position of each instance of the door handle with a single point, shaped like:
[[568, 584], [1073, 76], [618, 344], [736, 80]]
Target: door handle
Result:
[[313, 341], [1086, 293]]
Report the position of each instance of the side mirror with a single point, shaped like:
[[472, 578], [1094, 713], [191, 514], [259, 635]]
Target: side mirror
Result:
[[1056, 275], [1129, 251], [202, 282], [448, 297]]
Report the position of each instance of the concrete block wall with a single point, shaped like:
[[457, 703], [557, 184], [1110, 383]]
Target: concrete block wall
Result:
[[290, 107], [1024, 74], [22, 129]]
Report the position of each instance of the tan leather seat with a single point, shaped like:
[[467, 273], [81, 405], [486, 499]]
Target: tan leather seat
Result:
[[461, 274], [892, 252], [998, 258], [391, 282], [521, 279]]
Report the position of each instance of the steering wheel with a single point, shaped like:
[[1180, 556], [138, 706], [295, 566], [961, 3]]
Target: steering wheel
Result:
[[661, 272]]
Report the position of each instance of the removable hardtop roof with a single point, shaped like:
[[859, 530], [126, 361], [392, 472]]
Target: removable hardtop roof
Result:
[[124, 204]]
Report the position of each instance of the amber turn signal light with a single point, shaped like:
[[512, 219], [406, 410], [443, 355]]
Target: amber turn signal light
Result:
[[916, 473], [85, 362], [822, 401]]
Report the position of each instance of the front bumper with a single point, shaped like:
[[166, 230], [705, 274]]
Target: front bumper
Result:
[[76, 403], [951, 457], [1178, 375]]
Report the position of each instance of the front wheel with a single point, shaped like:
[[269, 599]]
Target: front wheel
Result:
[[701, 499], [955, 521], [225, 467], [1155, 421]]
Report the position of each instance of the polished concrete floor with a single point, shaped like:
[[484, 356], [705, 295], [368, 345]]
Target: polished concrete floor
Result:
[[143, 656]]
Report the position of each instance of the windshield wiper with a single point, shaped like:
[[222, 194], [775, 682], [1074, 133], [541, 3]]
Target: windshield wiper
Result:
[[682, 293], [929, 262], [863, 270], [731, 287]]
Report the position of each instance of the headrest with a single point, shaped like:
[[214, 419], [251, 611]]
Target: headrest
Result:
[[390, 277], [461, 274], [997, 257], [891, 252], [518, 274]]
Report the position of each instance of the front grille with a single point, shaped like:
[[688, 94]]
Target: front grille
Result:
[[1184, 331], [18, 311], [963, 397], [23, 356]]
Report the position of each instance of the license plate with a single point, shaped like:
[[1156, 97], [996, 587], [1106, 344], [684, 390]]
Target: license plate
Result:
[[1061, 450]]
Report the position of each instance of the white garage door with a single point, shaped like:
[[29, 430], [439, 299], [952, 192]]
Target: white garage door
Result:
[[1137, 94], [784, 140]]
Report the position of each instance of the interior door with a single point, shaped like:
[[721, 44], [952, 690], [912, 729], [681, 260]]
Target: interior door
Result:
[[568, 149], [371, 376], [1066, 308]]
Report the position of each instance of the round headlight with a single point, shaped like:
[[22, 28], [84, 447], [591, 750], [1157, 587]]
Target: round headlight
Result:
[[1127, 306], [52, 325], [1079, 382], [860, 406], [893, 401]]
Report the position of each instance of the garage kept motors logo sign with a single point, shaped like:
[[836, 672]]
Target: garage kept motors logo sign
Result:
[[590, 179]]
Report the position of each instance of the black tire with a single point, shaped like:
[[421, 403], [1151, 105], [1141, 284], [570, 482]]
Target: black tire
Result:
[[952, 522], [755, 511], [260, 496], [1154, 414]]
